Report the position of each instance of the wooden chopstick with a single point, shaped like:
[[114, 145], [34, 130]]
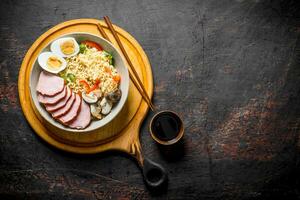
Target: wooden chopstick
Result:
[[135, 74], [130, 75], [144, 92], [102, 32], [110, 26], [144, 95]]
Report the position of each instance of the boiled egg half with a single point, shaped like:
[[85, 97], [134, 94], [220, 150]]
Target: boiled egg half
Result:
[[65, 47], [51, 62]]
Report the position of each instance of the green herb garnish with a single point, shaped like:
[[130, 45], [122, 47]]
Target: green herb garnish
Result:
[[109, 57], [82, 48], [71, 77]]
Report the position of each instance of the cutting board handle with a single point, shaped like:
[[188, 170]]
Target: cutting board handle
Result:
[[155, 175]]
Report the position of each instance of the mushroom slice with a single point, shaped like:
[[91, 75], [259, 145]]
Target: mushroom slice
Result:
[[98, 93], [106, 106], [89, 98], [96, 111], [114, 96]]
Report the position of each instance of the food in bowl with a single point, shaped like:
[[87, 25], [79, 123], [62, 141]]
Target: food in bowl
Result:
[[65, 47], [51, 62], [78, 83]]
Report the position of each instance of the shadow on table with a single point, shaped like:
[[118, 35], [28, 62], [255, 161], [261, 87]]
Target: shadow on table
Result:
[[174, 152]]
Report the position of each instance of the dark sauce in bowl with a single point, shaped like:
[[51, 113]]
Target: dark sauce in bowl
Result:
[[166, 126]]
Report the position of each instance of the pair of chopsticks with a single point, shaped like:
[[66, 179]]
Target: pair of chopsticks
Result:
[[138, 84]]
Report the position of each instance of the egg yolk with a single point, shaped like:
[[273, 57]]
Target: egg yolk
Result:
[[67, 47], [53, 62]]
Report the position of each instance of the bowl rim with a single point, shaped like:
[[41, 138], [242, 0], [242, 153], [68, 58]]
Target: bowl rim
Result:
[[67, 129]]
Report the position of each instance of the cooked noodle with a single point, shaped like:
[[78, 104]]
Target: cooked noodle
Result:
[[89, 66]]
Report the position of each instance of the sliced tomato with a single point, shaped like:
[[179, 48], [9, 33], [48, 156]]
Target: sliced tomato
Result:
[[95, 86], [92, 44], [86, 85]]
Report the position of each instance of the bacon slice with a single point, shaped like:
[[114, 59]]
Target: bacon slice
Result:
[[49, 84], [66, 108], [52, 99], [61, 103], [83, 118], [73, 112]]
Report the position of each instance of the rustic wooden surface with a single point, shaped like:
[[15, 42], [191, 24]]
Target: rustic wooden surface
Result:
[[230, 68]]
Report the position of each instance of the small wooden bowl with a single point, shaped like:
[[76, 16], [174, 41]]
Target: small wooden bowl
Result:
[[167, 142]]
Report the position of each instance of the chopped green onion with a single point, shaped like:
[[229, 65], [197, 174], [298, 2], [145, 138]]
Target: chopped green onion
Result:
[[82, 48], [109, 57], [71, 77], [112, 61]]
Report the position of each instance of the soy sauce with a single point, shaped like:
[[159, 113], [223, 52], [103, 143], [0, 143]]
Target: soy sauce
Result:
[[166, 126]]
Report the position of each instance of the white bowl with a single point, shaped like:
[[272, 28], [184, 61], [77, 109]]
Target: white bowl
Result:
[[118, 63]]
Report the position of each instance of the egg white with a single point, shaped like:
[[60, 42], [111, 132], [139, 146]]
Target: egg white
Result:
[[42, 60], [55, 47]]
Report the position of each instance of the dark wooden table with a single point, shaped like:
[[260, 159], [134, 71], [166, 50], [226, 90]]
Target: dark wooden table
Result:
[[230, 68]]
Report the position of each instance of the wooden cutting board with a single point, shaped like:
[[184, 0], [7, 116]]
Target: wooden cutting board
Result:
[[123, 133]]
